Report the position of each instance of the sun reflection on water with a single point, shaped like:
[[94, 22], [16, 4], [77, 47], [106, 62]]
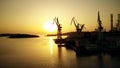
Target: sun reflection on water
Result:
[[51, 45]]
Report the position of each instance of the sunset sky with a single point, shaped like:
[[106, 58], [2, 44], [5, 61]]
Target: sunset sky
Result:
[[31, 16]]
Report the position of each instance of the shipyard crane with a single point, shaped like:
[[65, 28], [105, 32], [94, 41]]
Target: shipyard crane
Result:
[[100, 28], [79, 27], [59, 28]]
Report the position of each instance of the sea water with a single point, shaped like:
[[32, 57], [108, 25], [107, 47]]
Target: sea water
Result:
[[42, 52]]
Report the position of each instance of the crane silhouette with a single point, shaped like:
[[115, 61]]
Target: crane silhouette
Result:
[[99, 23], [59, 28], [79, 27], [100, 27]]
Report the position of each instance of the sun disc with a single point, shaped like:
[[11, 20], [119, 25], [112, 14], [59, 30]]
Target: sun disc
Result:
[[49, 26]]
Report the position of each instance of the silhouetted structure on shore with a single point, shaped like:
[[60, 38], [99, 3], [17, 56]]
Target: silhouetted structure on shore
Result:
[[117, 26], [92, 43], [59, 28], [79, 27]]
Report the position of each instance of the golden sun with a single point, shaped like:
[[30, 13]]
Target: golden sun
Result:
[[49, 26]]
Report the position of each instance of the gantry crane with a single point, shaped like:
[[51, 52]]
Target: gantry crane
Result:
[[100, 28], [59, 28], [79, 27]]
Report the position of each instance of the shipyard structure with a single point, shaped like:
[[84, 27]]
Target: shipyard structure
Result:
[[91, 43], [117, 26]]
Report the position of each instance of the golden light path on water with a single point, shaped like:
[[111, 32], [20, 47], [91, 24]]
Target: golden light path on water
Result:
[[51, 45]]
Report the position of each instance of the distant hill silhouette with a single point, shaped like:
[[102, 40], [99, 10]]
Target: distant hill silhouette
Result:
[[18, 35]]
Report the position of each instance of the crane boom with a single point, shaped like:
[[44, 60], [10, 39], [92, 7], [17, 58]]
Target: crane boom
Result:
[[74, 21], [82, 27], [55, 20]]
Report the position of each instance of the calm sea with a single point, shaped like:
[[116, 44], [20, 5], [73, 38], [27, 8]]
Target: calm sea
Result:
[[42, 52]]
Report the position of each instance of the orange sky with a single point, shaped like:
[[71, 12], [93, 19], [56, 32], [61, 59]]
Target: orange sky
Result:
[[29, 16]]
